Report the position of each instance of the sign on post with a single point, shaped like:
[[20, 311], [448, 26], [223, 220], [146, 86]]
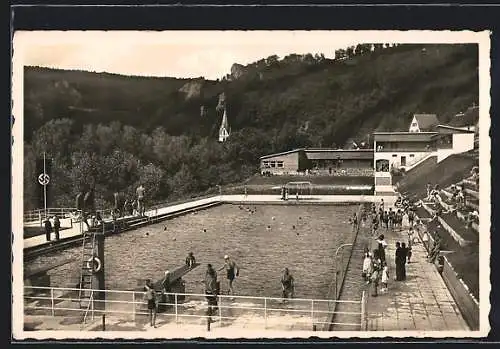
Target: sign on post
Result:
[[43, 179]]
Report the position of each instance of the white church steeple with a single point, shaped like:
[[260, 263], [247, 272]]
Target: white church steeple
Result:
[[224, 129]]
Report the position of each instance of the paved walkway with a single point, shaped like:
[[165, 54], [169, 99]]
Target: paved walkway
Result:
[[421, 303], [40, 327], [249, 199]]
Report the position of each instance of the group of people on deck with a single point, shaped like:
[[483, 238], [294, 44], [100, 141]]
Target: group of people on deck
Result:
[[52, 226], [402, 216], [375, 267], [130, 206]]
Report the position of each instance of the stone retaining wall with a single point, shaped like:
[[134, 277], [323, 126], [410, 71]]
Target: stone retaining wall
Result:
[[468, 305], [466, 302]]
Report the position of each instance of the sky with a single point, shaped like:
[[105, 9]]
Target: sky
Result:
[[188, 54]]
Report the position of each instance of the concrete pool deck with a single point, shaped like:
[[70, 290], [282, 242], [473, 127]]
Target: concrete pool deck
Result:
[[233, 199], [421, 303]]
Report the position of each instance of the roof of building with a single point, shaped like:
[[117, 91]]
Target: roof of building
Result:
[[452, 129], [327, 153], [345, 154], [426, 121], [404, 136], [280, 154]]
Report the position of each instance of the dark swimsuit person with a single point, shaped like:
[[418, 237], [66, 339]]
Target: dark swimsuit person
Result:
[[151, 297], [287, 285], [231, 271]]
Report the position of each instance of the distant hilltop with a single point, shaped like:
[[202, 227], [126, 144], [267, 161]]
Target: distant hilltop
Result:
[[309, 99]]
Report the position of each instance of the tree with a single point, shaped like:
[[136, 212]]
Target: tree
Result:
[[350, 51], [151, 177], [54, 137], [29, 172], [272, 60]]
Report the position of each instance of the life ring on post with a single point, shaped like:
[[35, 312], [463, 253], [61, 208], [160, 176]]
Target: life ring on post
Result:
[[96, 264]]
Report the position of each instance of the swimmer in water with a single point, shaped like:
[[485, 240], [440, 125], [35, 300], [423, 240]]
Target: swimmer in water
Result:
[[232, 272]]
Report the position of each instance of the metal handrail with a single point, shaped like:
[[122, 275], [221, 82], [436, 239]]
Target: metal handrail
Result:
[[189, 294], [341, 247], [307, 311]]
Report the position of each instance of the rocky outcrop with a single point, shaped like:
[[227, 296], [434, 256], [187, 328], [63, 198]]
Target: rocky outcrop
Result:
[[192, 88], [237, 71], [222, 102]]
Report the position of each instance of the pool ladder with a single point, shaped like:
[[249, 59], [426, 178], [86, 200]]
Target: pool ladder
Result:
[[86, 292]]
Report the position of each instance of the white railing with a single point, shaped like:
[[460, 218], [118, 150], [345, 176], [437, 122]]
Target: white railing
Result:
[[41, 214], [267, 312], [417, 160]]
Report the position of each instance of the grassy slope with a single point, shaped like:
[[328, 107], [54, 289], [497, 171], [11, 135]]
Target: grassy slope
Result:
[[447, 172]]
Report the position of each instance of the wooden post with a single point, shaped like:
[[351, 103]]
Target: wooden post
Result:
[[104, 322], [265, 313], [52, 301], [133, 302], [312, 313], [363, 311], [100, 276], [176, 311], [220, 311]]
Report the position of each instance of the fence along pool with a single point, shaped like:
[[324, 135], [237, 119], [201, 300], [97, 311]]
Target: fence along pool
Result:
[[187, 308]]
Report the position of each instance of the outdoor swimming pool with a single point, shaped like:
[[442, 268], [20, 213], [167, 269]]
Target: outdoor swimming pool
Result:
[[261, 253]]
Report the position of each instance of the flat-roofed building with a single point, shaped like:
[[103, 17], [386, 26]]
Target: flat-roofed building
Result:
[[319, 161]]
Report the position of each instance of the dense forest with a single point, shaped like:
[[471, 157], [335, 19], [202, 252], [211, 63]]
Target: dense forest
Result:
[[116, 131]]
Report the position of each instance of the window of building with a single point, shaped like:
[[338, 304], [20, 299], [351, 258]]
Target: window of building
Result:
[[394, 155], [273, 163], [265, 164], [413, 124], [412, 155], [280, 164]]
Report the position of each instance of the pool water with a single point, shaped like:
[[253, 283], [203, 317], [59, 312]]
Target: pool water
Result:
[[261, 239]]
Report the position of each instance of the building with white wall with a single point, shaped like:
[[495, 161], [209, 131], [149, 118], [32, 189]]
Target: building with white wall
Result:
[[405, 150]]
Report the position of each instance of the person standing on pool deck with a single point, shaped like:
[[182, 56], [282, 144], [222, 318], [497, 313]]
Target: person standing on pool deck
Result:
[[381, 245], [287, 285], [211, 289], [232, 272], [48, 228], [140, 199], [151, 298], [57, 226]]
